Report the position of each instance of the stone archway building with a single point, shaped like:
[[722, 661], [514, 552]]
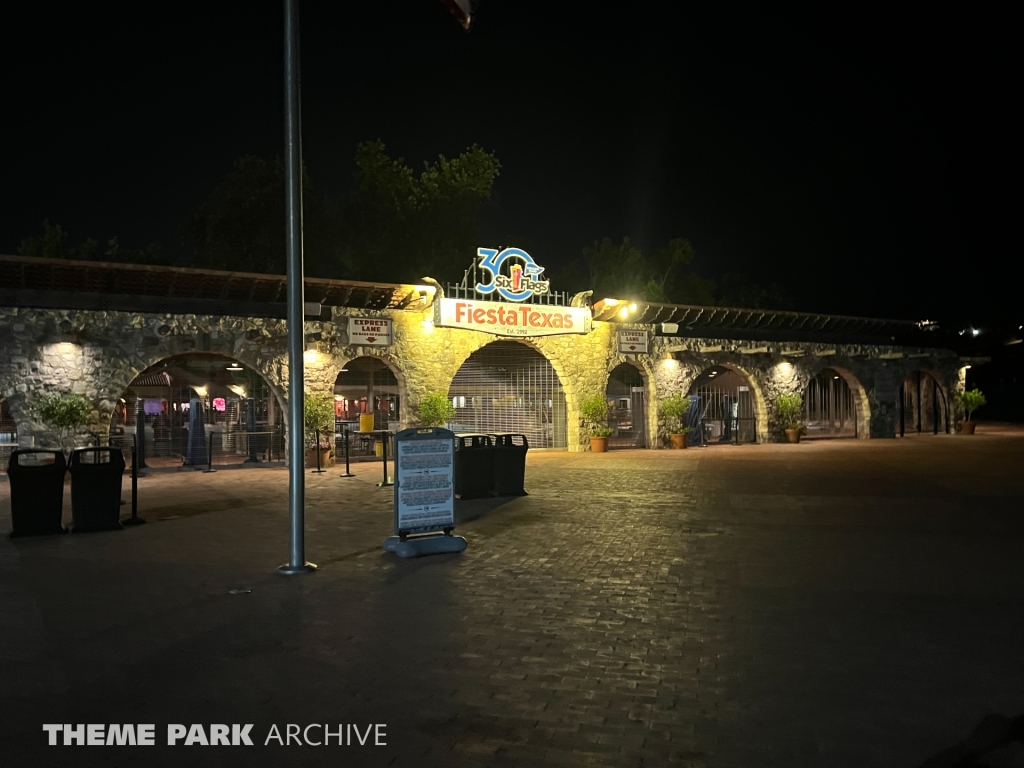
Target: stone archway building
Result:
[[91, 328]]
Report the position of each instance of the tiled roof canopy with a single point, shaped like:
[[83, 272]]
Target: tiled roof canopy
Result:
[[22, 273]]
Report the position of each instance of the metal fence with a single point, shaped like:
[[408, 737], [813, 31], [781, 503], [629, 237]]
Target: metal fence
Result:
[[508, 387], [829, 409], [223, 446]]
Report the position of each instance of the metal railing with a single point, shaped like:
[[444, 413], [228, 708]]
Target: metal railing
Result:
[[223, 447]]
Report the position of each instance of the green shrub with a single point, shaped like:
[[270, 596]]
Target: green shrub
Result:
[[971, 400], [674, 409], [791, 410], [63, 411], [436, 410], [319, 415], [594, 410]]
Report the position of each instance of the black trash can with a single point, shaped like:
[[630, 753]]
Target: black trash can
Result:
[[96, 489], [37, 491], [474, 466], [510, 464]]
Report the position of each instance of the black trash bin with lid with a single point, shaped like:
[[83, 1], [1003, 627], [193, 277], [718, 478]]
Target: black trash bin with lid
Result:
[[96, 488], [37, 491], [510, 464], [474, 466]]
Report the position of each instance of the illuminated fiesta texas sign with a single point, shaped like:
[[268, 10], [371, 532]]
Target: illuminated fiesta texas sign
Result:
[[514, 276]]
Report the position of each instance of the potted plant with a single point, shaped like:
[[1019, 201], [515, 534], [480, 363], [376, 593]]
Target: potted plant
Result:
[[790, 409], [594, 411], [436, 410], [674, 409], [66, 412], [971, 400], [319, 418]]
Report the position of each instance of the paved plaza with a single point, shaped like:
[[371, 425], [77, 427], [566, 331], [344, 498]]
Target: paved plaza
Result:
[[844, 603]]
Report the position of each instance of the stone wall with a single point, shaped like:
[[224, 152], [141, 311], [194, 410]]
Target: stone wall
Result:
[[873, 373], [98, 353]]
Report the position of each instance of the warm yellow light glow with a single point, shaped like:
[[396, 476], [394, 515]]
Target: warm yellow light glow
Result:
[[624, 312], [632, 307], [310, 355], [428, 325], [65, 348], [238, 390], [670, 362], [201, 391], [785, 367]]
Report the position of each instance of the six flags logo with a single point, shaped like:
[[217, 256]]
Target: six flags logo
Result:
[[522, 280]]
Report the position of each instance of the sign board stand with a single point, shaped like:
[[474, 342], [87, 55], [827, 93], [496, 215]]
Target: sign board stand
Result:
[[424, 494]]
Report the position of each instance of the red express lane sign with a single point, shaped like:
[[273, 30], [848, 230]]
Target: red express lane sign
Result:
[[632, 342], [369, 331], [504, 319]]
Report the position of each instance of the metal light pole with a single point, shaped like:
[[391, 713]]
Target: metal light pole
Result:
[[296, 299]]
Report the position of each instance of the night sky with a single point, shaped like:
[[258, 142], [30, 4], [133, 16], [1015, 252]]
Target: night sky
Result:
[[859, 157]]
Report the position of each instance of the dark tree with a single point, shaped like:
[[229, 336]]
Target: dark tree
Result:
[[402, 226], [54, 243], [241, 225]]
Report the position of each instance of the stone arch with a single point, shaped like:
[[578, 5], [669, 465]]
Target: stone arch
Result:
[[650, 393], [392, 365], [277, 402], [920, 409], [861, 403], [562, 406], [758, 400], [680, 366], [119, 383]]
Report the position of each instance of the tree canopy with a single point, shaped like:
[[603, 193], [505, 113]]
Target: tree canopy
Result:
[[54, 243], [400, 225], [413, 225], [241, 225], [622, 270]]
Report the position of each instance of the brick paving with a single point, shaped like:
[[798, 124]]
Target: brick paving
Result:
[[844, 603]]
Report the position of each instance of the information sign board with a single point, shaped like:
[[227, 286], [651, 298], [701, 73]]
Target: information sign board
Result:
[[632, 342], [424, 480], [504, 319], [369, 331]]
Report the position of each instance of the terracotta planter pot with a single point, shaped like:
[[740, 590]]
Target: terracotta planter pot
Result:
[[967, 427], [326, 459], [793, 435], [677, 441], [599, 445]]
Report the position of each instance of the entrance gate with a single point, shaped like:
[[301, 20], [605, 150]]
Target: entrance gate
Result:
[[627, 413], [510, 387], [829, 407], [923, 406], [724, 408]]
